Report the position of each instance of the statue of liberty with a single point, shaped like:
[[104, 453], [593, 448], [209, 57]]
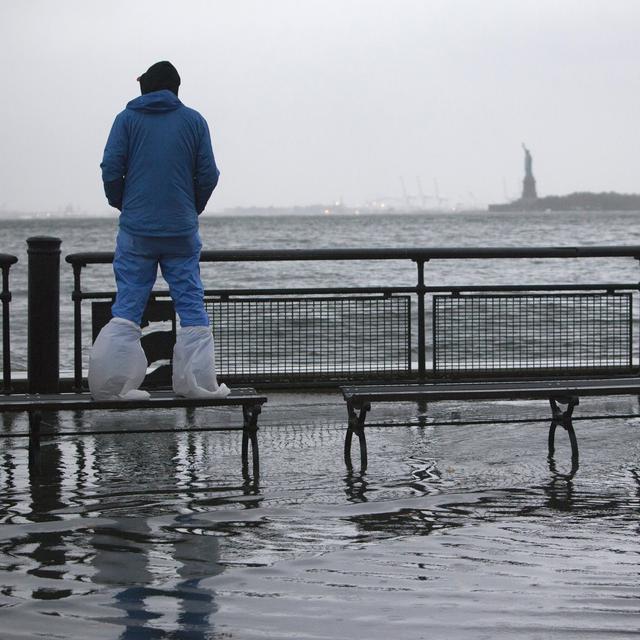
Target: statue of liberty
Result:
[[529, 182]]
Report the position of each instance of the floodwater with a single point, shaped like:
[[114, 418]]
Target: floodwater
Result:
[[461, 528], [455, 530], [307, 232]]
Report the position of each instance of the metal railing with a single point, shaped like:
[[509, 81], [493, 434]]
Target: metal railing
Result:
[[6, 261], [419, 289], [313, 336], [547, 333]]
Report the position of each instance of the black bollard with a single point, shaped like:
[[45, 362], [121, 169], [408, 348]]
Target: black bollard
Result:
[[43, 314]]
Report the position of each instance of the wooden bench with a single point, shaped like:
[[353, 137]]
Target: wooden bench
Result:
[[35, 404], [557, 347]]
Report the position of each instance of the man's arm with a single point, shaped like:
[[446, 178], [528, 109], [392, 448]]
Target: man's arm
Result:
[[206, 175], [114, 163]]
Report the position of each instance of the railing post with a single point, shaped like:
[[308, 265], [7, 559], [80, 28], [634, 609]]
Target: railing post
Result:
[[77, 328], [43, 326], [6, 332], [422, 339], [637, 259]]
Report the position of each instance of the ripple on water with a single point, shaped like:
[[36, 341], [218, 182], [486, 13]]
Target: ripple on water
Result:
[[484, 580], [455, 531]]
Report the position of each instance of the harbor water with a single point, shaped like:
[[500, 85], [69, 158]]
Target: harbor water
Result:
[[460, 527]]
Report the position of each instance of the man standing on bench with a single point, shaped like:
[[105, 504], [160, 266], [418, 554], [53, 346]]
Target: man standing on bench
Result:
[[159, 171]]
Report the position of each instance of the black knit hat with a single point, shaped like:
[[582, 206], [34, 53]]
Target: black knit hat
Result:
[[161, 75]]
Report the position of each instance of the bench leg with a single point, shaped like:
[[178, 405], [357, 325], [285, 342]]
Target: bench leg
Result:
[[250, 434], [190, 414], [422, 407], [563, 419], [356, 426], [35, 420]]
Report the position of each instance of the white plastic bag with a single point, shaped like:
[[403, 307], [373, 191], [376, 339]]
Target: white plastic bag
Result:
[[194, 365], [117, 364]]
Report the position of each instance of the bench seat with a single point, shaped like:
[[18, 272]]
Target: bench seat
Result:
[[487, 390]]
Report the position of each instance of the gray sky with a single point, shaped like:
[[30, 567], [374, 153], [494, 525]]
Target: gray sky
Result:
[[310, 100]]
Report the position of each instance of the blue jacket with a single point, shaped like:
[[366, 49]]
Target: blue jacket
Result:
[[158, 166]]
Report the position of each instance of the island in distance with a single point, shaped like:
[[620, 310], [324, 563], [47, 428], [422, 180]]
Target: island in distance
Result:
[[580, 201]]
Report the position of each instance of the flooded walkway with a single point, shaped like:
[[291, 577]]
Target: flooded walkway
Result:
[[456, 530]]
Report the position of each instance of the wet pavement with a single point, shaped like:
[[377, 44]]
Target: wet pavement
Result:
[[456, 530]]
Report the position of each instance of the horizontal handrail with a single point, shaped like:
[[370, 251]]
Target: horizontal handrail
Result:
[[415, 254], [227, 293]]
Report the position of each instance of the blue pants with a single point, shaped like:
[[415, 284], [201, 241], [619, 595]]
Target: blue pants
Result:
[[135, 265]]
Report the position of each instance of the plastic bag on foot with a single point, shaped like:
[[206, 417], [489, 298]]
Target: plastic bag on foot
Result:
[[194, 365], [117, 364]]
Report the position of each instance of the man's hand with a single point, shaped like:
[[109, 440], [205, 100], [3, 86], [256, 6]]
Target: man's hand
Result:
[[114, 191]]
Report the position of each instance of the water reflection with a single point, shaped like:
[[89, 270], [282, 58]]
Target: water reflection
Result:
[[560, 490], [8, 420], [400, 523], [158, 578], [49, 549], [558, 494], [151, 571], [356, 487], [160, 536], [575, 465]]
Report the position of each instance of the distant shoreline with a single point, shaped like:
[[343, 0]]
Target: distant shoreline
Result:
[[507, 208], [579, 201], [245, 213]]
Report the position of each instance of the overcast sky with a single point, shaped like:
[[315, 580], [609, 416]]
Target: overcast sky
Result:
[[312, 100]]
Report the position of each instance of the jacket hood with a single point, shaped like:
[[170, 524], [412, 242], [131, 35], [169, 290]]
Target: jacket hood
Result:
[[155, 102], [161, 75]]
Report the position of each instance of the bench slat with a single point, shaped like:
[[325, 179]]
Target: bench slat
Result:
[[492, 390], [158, 399]]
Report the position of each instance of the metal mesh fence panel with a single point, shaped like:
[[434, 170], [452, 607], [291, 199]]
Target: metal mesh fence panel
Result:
[[475, 333], [311, 337]]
